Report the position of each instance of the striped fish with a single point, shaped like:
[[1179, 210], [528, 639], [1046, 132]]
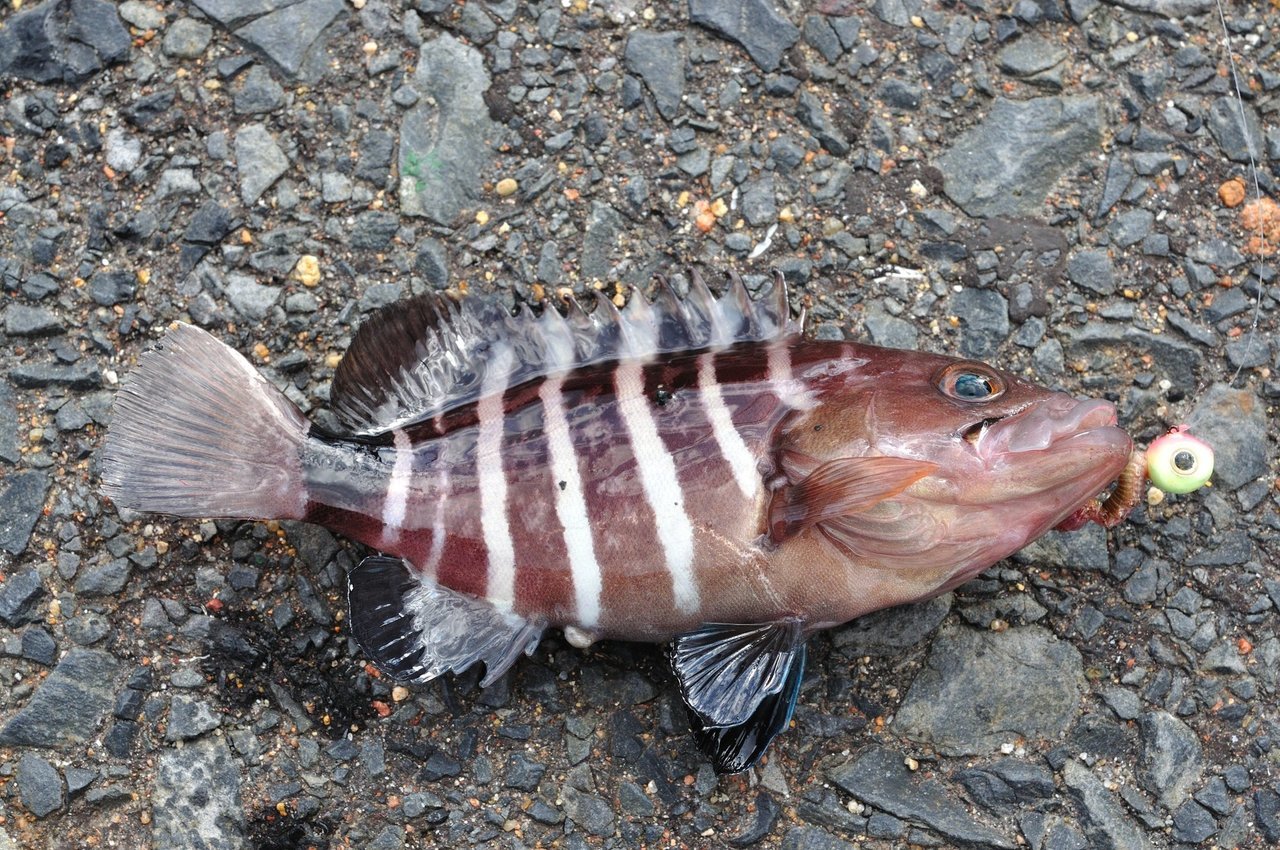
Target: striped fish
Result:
[[690, 471]]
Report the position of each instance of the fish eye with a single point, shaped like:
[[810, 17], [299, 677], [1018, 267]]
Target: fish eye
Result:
[[970, 382], [1179, 462]]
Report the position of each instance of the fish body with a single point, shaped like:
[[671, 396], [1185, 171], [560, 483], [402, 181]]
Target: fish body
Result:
[[691, 471]]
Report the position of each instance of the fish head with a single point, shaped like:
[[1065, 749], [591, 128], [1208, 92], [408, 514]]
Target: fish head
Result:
[[1009, 459]]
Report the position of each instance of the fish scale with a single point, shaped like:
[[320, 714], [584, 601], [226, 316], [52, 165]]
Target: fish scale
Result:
[[689, 471]]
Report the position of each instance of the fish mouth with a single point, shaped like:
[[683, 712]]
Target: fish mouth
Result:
[[1049, 425]]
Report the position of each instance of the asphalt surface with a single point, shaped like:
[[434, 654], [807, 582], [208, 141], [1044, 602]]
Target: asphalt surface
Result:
[[1064, 189]]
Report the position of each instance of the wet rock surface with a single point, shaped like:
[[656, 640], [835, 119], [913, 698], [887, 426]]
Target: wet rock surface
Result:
[[1050, 186]]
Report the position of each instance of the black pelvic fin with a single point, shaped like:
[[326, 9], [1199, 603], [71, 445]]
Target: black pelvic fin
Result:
[[415, 630], [740, 684]]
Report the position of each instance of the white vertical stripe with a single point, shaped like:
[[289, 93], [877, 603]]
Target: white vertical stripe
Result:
[[438, 529], [661, 485], [789, 391], [571, 506], [397, 498], [732, 446], [492, 479]]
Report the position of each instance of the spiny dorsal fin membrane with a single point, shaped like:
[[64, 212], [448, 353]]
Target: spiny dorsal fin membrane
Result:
[[418, 358]]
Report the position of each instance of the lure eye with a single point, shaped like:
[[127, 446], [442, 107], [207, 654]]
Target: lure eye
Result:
[[970, 382], [1178, 462]]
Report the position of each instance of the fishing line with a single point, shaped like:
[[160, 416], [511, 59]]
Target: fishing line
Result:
[[1257, 188]]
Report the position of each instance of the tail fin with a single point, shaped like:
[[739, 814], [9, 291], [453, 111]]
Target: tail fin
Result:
[[198, 432]]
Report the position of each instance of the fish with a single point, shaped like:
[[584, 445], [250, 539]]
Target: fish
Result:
[[688, 470]]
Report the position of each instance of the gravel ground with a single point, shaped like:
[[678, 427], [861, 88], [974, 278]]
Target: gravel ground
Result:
[[1054, 186]]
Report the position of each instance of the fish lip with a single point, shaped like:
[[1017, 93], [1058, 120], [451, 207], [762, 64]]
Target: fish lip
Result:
[[1044, 426]]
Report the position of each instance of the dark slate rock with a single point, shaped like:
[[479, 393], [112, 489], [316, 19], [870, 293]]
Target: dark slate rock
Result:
[[19, 594], [1106, 824], [189, 717], [315, 544], [893, 630], [984, 321], [1214, 796], [1171, 761], [1007, 164], [889, 330], [21, 320], [196, 798], [22, 496], [588, 811], [9, 450], [812, 114], [1112, 345], [110, 288], [258, 93], [1234, 422], [147, 112], [374, 230], [754, 24], [289, 35], [38, 646], [601, 240], [879, 777], [1266, 804], [523, 773], [78, 376], [259, 161], [813, 838], [67, 706], [106, 579], [39, 785], [1119, 175], [1192, 823], [658, 59], [62, 41], [1084, 549], [1092, 269], [207, 228], [965, 701], [1030, 55], [374, 162], [759, 204], [446, 139], [1240, 141]]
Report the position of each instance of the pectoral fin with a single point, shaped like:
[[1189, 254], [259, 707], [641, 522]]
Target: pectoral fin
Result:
[[740, 684], [839, 488], [415, 630]]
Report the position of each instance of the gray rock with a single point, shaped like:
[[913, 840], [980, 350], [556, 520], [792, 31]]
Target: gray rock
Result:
[[77, 376], [142, 15], [196, 798], [39, 785], [1007, 164], [1171, 760], [290, 35], [67, 706], [446, 141], [38, 646], [890, 331], [588, 811], [374, 230], [657, 58], [1051, 832], [1240, 141], [968, 700], [1106, 824], [335, 187], [601, 240], [187, 38], [1167, 8], [9, 451], [1266, 803], [1234, 422], [22, 496], [1092, 269], [21, 320], [1030, 55], [105, 579], [111, 288], [251, 299], [896, 12], [123, 150], [19, 594], [813, 115], [812, 838], [759, 205], [258, 93], [893, 630], [1131, 227], [523, 774], [432, 260], [879, 777], [1192, 823], [259, 161], [189, 717], [984, 321], [1084, 549], [1107, 346], [754, 24], [62, 41]]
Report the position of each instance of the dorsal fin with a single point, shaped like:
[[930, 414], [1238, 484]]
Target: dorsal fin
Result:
[[415, 359]]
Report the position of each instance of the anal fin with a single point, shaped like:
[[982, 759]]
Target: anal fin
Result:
[[740, 684], [416, 630]]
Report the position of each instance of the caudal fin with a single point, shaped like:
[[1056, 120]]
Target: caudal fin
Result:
[[197, 432]]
